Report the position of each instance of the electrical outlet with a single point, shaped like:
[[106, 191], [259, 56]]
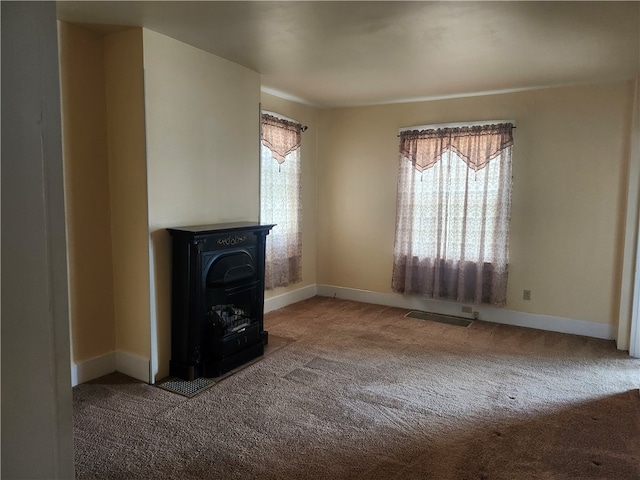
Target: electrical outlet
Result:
[[467, 310], [476, 315], [526, 295]]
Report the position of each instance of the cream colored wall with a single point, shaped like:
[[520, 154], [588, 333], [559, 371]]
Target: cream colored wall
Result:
[[87, 193], [202, 117], [128, 183], [306, 116], [568, 204]]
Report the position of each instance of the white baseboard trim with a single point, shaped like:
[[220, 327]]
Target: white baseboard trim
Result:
[[280, 301], [130, 364], [486, 313], [93, 368], [138, 367], [133, 365]]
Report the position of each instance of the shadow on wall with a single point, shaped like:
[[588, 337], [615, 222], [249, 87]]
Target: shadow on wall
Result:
[[160, 303]]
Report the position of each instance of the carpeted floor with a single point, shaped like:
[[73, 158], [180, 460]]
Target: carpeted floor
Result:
[[360, 392]]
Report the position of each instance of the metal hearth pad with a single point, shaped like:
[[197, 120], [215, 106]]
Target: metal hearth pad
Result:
[[185, 387], [435, 317]]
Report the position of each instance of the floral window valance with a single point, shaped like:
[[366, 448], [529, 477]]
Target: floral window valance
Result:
[[280, 136], [476, 145]]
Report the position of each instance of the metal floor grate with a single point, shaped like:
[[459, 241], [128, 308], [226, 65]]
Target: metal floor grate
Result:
[[436, 317], [185, 387]]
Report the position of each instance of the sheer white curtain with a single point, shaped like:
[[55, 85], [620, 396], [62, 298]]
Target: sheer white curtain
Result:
[[280, 200], [453, 208]]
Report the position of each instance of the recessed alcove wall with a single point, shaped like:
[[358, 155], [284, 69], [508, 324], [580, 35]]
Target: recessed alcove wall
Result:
[[106, 201], [87, 193]]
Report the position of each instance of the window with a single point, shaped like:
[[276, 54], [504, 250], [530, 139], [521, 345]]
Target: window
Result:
[[453, 207], [280, 199]]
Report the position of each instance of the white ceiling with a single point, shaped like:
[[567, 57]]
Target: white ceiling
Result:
[[355, 53]]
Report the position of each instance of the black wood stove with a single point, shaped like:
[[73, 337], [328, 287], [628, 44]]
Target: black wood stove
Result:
[[217, 298]]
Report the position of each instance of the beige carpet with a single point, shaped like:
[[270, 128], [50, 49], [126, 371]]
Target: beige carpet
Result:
[[360, 392]]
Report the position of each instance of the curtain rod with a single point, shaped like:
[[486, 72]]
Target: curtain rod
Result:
[[457, 125], [303, 128]]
